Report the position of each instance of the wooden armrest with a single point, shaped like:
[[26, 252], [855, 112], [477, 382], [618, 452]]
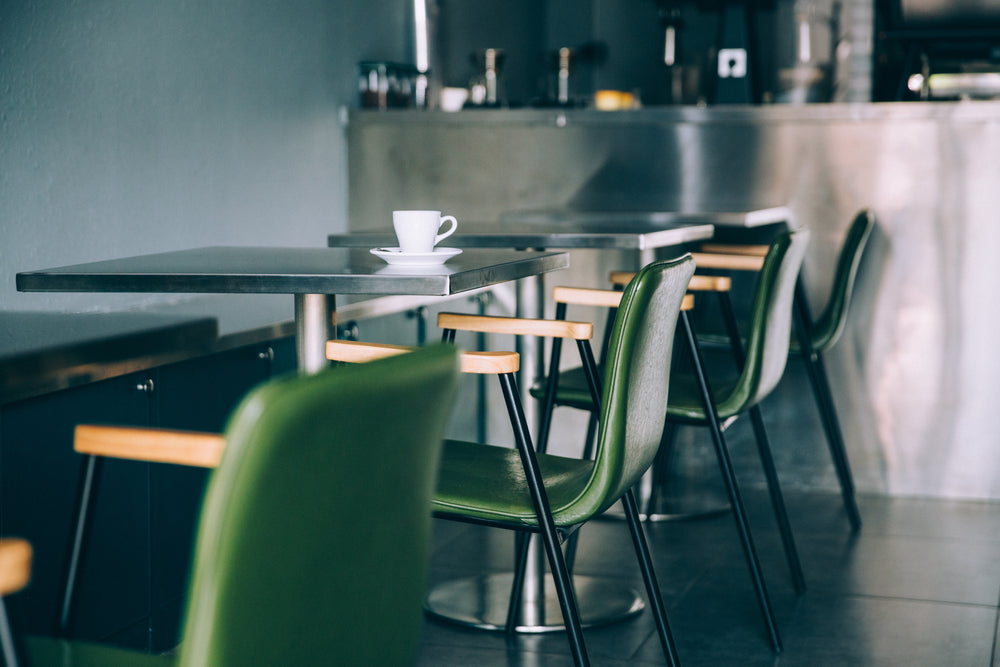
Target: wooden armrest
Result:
[[154, 445], [598, 297], [735, 249], [707, 260], [489, 363], [710, 283], [15, 565], [697, 284], [581, 296], [621, 278], [516, 326]]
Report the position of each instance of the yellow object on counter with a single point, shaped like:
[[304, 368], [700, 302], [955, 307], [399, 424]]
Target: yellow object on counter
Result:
[[615, 100]]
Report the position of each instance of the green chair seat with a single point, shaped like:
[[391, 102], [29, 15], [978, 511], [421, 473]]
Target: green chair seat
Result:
[[488, 482]]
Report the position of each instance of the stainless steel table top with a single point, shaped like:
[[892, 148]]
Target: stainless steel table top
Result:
[[313, 275], [753, 218], [551, 234], [224, 269]]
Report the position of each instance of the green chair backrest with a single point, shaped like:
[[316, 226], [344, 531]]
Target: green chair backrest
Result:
[[830, 324], [770, 323], [314, 536], [637, 374]]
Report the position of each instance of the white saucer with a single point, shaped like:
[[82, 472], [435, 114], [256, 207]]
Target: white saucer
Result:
[[400, 258]]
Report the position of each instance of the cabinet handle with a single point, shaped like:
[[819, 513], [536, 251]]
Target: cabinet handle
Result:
[[145, 386], [267, 354]]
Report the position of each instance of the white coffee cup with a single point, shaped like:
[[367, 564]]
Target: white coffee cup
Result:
[[417, 231]]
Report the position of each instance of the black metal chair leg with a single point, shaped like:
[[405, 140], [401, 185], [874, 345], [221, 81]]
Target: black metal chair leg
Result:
[[661, 467], [824, 402], [549, 532], [777, 500], [649, 578], [732, 488], [835, 440], [88, 484]]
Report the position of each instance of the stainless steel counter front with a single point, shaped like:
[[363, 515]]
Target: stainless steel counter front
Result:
[[916, 371]]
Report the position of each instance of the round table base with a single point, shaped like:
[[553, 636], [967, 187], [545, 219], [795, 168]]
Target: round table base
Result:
[[687, 511], [481, 602]]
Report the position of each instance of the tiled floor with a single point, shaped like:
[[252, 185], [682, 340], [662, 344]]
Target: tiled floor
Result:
[[918, 585]]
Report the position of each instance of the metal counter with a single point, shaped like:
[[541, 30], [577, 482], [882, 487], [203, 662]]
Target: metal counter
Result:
[[915, 374], [42, 352]]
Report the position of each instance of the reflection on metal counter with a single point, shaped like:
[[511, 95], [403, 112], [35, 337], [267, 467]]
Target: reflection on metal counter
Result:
[[913, 375]]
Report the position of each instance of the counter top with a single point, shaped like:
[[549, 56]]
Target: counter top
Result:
[[41, 352], [969, 110]]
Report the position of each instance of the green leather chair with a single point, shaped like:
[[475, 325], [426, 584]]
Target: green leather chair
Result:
[[816, 336], [530, 492], [764, 365], [314, 535], [819, 335]]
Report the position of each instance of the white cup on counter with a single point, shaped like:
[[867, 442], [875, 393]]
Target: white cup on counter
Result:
[[417, 231]]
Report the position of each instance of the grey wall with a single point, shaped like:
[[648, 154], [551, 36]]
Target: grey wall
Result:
[[132, 127], [143, 126]]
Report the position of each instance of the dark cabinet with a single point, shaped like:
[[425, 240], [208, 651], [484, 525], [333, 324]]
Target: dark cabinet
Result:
[[134, 572], [39, 476]]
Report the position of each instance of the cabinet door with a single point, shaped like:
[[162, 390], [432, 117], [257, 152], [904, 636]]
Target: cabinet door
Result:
[[198, 395], [39, 479]]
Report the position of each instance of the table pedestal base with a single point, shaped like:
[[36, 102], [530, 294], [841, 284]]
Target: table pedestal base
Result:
[[481, 602]]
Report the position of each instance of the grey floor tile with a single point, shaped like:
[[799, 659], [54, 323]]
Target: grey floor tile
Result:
[[918, 585], [881, 631]]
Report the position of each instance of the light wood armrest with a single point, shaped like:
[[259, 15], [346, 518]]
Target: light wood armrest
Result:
[[597, 297], [735, 249], [15, 565], [706, 260], [581, 296], [621, 278], [489, 363], [154, 445], [710, 283], [697, 284], [516, 326]]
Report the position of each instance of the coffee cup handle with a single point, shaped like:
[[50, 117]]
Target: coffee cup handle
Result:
[[451, 230]]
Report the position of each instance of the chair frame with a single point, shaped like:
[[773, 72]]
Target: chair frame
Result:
[[749, 258], [553, 536], [567, 296]]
